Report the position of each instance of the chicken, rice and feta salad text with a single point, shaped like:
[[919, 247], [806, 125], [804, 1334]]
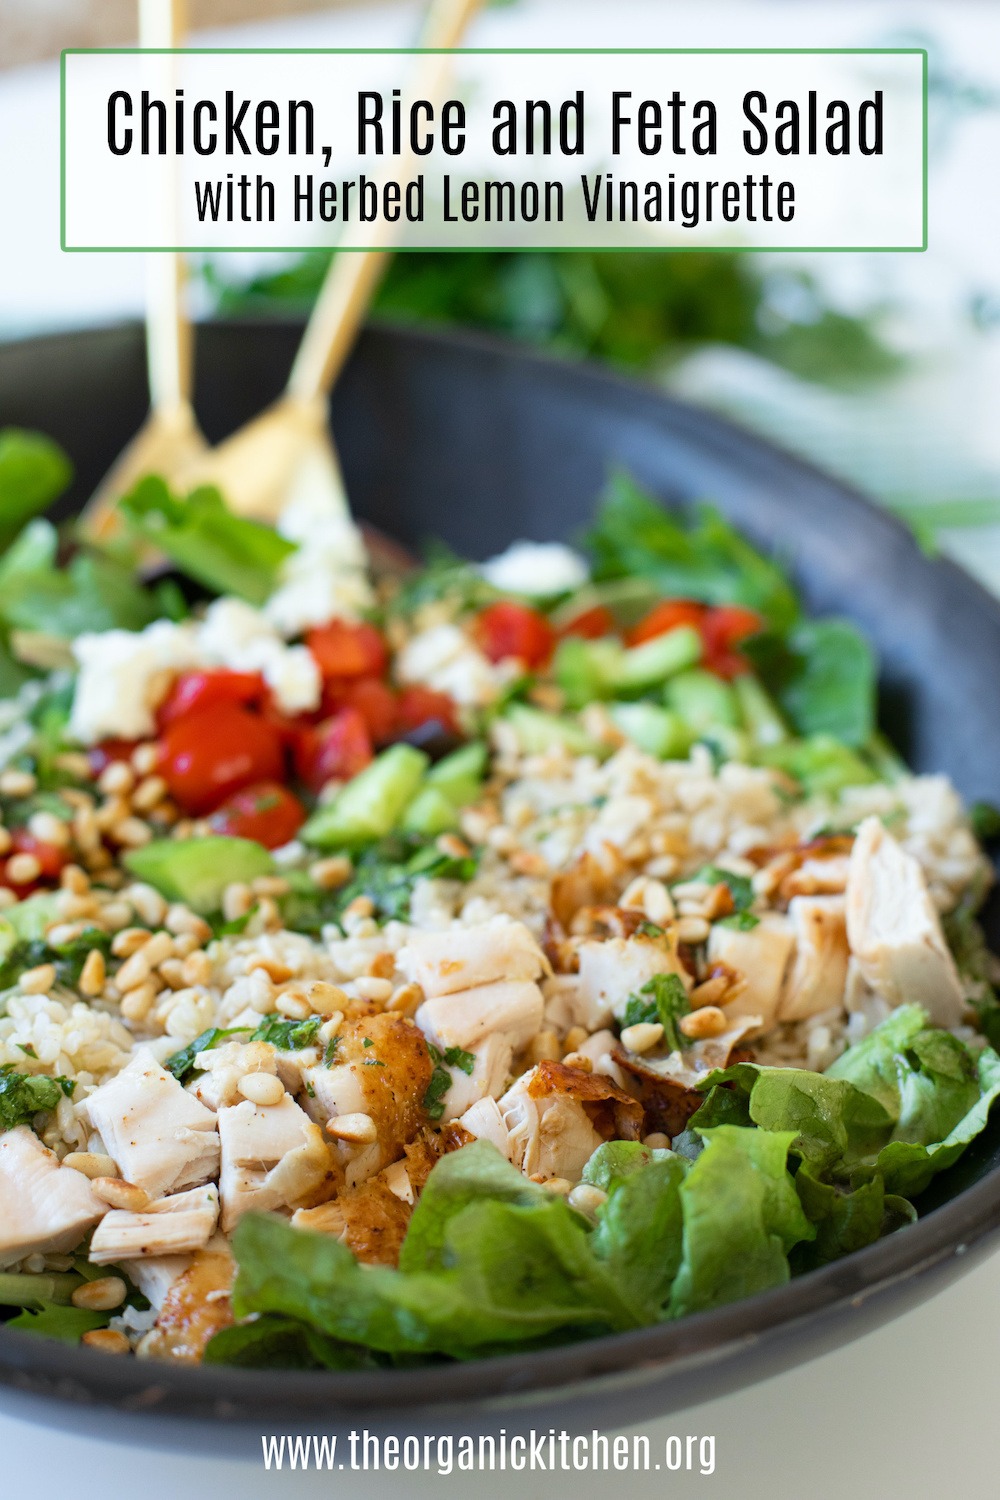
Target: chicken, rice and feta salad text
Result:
[[433, 964]]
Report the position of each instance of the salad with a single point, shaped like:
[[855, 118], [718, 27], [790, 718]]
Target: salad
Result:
[[427, 964]]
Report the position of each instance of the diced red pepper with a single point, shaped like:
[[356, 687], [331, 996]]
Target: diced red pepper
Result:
[[505, 629], [420, 705], [335, 750], [374, 700], [51, 860], [348, 649], [666, 616], [208, 755], [266, 812], [591, 624], [193, 691], [722, 630]]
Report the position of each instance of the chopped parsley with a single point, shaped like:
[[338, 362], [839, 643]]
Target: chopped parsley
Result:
[[742, 921], [386, 873], [181, 1064], [24, 1095], [331, 1051], [739, 886], [287, 1036], [667, 1002], [67, 959], [452, 1057]]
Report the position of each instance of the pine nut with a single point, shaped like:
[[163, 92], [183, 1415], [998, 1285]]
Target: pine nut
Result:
[[294, 1005], [129, 941], [578, 1060], [145, 759], [711, 992], [275, 970], [360, 908], [261, 1088], [405, 999], [586, 1199], [93, 974], [75, 906], [91, 1163], [325, 999], [558, 1185], [270, 885], [50, 829], [150, 906], [356, 1128], [107, 1340], [38, 981], [331, 874], [116, 915], [642, 1036], [100, 1295], [22, 869], [159, 947], [706, 1022], [149, 793], [692, 930], [63, 932], [453, 846], [656, 1141], [5, 840], [134, 971], [131, 832], [17, 783], [196, 967], [378, 990], [575, 1038], [73, 763], [118, 1193], [171, 971], [136, 1004], [237, 900], [181, 920], [382, 966], [115, 778], [544, 1046]]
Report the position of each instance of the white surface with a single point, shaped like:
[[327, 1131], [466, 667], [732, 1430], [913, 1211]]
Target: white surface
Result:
[[908, 1411]]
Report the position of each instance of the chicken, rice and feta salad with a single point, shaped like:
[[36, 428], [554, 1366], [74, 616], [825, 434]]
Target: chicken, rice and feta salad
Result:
[[429, 965]]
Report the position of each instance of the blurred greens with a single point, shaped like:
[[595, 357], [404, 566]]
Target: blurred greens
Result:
[[636, 310]]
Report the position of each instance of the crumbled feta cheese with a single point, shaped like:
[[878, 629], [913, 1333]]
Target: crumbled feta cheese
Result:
[[327, 575], [235, 635], [536, 568], [123, 677], [445, 659]]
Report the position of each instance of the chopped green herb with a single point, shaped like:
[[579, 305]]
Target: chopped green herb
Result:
[[331, 1051], [68, 959], [451, 1057], [287, 1036], [667, 1003], [386, 873], [649, 929], [741, 921], [373, 1062], [24, 1095], [181, 1064], [739, 886], [985, 820]]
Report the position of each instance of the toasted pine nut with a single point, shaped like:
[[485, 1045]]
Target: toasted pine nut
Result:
[[586, 1198], [405, 999], [693, 930], [72, 878], [330, 874], [275, 970], [117, 914], [578, 1060], [38, 981], [149, 793], [293, 1004], [575, 1038], [711, 992], [378, 990], [131, 832], [73, 763], [145, 759], [270, 885], [237, 900], [159, 947], [325, 999], [118, 1193], [115, 778], [559, 1185], [196, 968], [706, 1022], [150, 906], [100, 1295], [50, 829], [91, 1163], [5, 840], [358, 1128], [544, 1046], [382, 966], [129, 941], [63, 932], [360, 907], [261, 1088], [453, 846], [17, 783], [656, 1141], [108, 1340], [136, 1003], [22, 869], [94, 973], [642, 1036], [134, 971], [180, 919]]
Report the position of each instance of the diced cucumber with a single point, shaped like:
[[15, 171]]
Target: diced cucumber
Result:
[[370, 806], [29, 918], [586, 670], [658, 731], [459, 776], [821, 763], [431, 812], [197, 871], [704, 702], [538, 731], [760, 714], [646, 666]]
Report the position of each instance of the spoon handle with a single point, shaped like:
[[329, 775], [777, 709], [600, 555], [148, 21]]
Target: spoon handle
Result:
[[354, 274]]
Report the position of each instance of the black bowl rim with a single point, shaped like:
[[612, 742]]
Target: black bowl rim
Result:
[[963, 1224]]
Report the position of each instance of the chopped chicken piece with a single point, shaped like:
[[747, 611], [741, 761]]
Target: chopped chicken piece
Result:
[[817, 876], [509, 1008], [194, 1309], [817, 976], [612, 970], [44, 1207], [218, 1071], [488, 1078], [556, 1117], [154, 1277], [273, 1157], [370, 1219], [461, 958], [162, 1138], [484, 1120], [168, 1227], [762, 955], [894, 930], [590, 882], [381, 1067]]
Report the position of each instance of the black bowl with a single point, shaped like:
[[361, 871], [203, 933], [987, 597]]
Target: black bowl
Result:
[[478, 443]]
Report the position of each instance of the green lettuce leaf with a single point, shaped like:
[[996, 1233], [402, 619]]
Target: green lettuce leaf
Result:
[[34, 471], [823, 676], [224, 552], [742, 1216], [274, 1342], [94, 593], [639, 1234], [907, 1166]]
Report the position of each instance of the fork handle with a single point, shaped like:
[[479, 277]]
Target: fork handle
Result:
[[353, 275]]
